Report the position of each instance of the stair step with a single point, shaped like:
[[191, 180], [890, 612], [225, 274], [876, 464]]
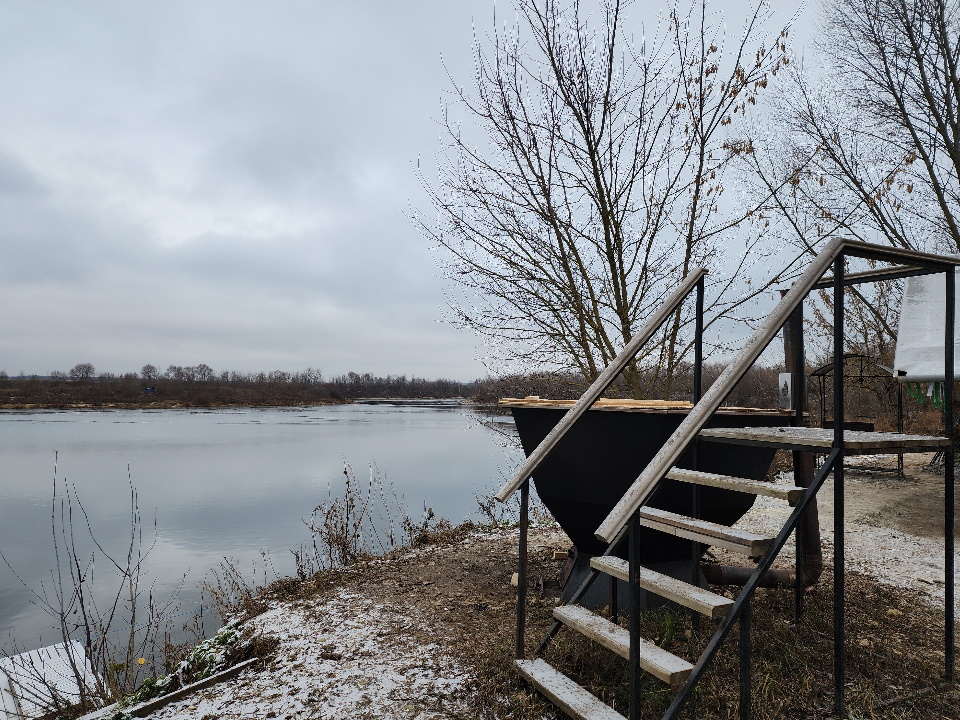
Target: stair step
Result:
[[564, 692], [729, 538], [703, 601], [653, 659], [790, 493], [855, 442]]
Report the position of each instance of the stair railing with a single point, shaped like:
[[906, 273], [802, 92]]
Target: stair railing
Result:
[[624, 515], [613, 528], [603, 381], [521, 478]]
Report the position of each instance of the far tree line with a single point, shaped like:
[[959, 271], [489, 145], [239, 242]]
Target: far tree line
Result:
[[200, 385]]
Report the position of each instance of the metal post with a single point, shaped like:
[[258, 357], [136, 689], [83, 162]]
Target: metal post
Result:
[[695, 550], [795, 362], [899, 425], [949, 498], [634, 667], [522, 569], [838, 550], [745, 661], [614, 605], [698, 346]]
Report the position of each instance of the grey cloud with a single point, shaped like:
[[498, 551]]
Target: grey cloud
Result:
[[16, 181]]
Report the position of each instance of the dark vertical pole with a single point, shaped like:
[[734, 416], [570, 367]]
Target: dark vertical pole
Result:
[[899, 424], [795, 361], [522, 569], [614, 604], [745, 661], [695, 550], [949, 498], [698, 346], [634, 667], [838, 550]]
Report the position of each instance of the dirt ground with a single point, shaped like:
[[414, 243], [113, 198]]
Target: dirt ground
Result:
[[912, 504], [439, 621]]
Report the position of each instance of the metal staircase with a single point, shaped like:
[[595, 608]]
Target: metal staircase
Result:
[[631, 513]]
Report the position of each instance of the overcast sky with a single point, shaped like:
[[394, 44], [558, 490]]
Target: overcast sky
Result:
[[226, 183]]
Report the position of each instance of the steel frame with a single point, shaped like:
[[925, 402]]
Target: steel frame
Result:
[[920, 264]]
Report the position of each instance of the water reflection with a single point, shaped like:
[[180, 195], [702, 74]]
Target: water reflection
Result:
[[221, 483]]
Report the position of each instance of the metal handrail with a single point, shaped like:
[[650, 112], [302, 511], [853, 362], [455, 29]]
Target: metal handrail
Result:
[[599, 386], [612, 527]]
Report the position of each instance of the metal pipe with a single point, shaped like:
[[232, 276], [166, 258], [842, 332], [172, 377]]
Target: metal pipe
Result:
[[839, 665], [745, 661], [695, 550], [614, 600], [808, 574], [949, 499], [634, 662], [522, 569], [900, 426]]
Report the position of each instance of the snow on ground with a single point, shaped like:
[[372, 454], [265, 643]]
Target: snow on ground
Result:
[[892, 557], [347, 655], [342, 656]]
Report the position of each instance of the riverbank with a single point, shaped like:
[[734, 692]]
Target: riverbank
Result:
[[428, 633], [164, 405], [132, 394], [189, 387]]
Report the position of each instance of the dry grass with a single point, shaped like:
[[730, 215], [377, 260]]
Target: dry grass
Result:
[[459, 577], [894, 662], [894, 640]]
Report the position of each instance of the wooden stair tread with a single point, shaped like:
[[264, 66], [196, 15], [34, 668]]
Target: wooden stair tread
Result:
[[703, 601], [653, 659], [729, 538], [820, 439], [574, 700], [790, 493]]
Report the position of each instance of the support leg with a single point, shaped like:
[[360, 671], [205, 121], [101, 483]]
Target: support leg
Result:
[[745, 658], [522, 569], [634, 667]]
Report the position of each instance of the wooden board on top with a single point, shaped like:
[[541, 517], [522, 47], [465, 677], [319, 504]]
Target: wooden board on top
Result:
[[629, 405]]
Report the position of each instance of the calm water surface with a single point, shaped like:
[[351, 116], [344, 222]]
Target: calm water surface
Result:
[[220, 483]]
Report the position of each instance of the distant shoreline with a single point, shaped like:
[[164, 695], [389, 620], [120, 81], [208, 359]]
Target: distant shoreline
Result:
[[177, 391], [162, 405], [180, 405]]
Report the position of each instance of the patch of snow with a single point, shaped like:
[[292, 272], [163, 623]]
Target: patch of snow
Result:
[[343, 656], [894, 558]]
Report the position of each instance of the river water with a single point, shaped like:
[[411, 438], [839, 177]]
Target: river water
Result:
[[216, 483]]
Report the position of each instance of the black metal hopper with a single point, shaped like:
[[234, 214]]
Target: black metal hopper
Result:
[[604, 453]]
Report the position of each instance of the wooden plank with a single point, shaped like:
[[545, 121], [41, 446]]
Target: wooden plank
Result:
[[735, 539], [855, 442], [564, 692], [683, 593], [148, 707], [790, 493], [647, 406], [653, 659], [612, 527]]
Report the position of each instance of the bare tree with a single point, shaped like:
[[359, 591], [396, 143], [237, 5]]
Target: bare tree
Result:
[[601, 185], [869, 143], [82, 371]]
